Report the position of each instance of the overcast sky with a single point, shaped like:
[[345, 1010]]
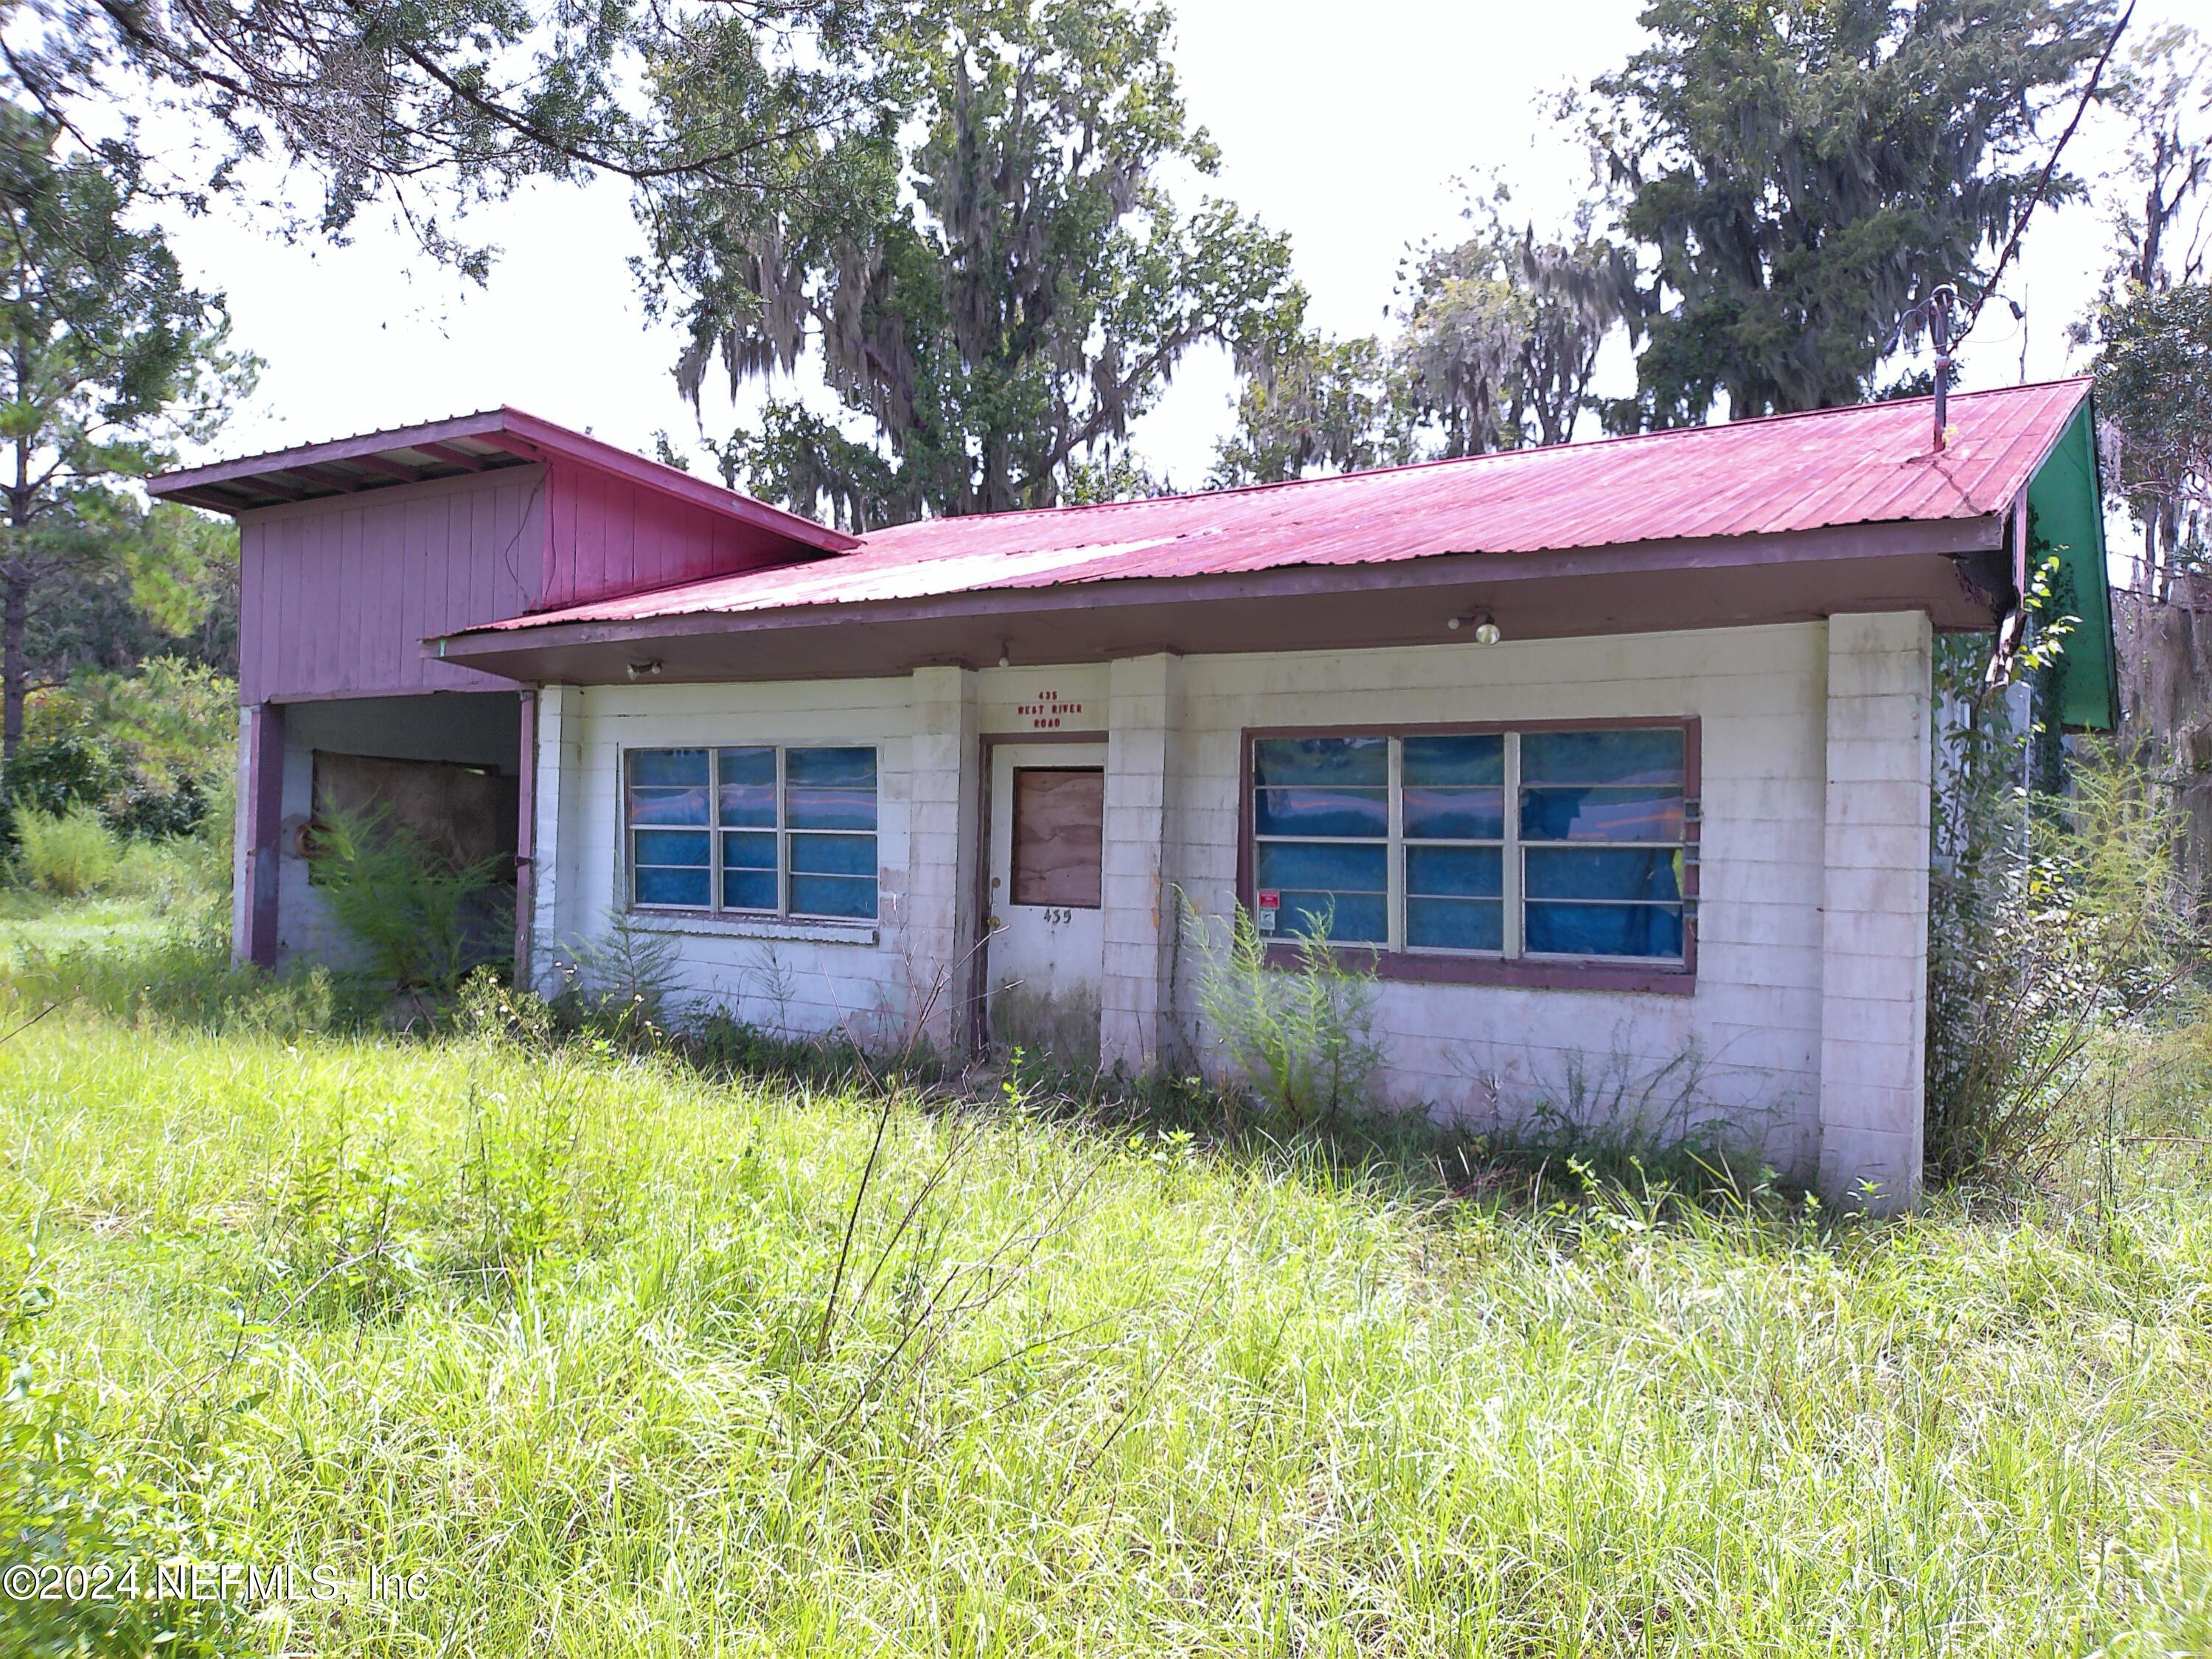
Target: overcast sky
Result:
[[1348, 127]]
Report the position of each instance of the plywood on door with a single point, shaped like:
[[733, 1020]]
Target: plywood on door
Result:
[[1059, 815]]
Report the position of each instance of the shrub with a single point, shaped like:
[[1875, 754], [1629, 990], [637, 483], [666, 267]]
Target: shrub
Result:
[[619, 980], [76, 769], [71, 769], [68, 854], [421, 923], [144, 810], [1301, 1034]]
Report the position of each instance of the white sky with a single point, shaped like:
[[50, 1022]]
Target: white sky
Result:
[[1346, 128]]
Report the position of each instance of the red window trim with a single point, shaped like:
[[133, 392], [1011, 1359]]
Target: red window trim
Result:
[[1539, 973]]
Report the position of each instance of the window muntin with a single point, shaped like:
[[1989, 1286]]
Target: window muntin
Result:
[[1543, 843], [1452, 816], [754, 830], [1321, 821], [1601, 817]]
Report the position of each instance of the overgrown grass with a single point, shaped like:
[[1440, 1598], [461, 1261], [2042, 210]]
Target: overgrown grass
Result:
[[610, 1353]]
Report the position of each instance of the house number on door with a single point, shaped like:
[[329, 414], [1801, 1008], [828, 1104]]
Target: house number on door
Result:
[[1056, 915]]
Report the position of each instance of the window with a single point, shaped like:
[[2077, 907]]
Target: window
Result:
[[1561, 844], [753, 831]]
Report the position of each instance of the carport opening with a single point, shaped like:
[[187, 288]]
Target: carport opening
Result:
[[443, 769]]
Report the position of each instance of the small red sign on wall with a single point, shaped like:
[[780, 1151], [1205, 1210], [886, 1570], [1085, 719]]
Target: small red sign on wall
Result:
[[1047, 711], [1267, 899]]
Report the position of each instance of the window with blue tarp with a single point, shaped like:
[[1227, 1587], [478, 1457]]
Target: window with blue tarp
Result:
[[1321, 821], [1567, 843], [753, 831]]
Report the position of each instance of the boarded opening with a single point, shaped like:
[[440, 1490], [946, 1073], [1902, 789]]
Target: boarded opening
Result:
[[463, 814], [1059, 823]]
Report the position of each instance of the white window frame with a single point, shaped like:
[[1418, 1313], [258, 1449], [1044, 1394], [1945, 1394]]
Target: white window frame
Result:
[[715, 830]]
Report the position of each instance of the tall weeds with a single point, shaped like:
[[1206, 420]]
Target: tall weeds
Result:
[[2053, 918], [421, 923], [69, 854], [1301, 1033]]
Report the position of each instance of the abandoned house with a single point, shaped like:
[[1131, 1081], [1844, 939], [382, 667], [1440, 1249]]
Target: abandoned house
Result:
[[1602, 756]]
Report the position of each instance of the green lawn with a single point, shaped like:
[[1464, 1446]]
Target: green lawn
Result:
[[547, 1328]]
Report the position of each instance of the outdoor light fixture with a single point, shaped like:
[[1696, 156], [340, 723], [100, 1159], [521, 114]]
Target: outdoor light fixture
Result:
[[1006, 655], [642, 671], [1485, 626]]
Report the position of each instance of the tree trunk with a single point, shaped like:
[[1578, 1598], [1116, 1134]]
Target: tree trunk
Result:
[[14, 672]]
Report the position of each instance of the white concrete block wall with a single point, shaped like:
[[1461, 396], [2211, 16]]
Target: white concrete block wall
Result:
[[241, 839], [869, 980], [553, 881], [1144, 711], [1879, 729], [937, 929], [1802, 1030], [1746, 1044]]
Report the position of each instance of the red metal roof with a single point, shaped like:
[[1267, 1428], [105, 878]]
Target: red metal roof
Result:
[[1873, 463], [486, 440]]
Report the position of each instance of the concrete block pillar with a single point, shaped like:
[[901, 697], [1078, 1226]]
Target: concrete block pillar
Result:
[[260, 833], [525, 837], [1144, 713], [1873, 987], [557, 913], [937, 915]]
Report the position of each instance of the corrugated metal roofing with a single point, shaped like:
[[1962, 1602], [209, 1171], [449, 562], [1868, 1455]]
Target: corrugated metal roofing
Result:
[[460, 445], [1873, 463]]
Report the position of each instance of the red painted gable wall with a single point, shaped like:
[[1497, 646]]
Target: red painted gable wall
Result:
[[608, 535], [337, 596]]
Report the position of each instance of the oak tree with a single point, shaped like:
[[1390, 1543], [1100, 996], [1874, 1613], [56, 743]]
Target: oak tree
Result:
[[432, 107], [1496, 347], [1801, 173], [2153, 325], [1014, 288]]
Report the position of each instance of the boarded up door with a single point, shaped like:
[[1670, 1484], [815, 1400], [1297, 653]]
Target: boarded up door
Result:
[[462, 814]]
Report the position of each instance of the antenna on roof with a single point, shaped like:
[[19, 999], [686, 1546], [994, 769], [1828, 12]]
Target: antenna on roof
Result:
[[2035, 198], [1940, 314], [1940, 307]]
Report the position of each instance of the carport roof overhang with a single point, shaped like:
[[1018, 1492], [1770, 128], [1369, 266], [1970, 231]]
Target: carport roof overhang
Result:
[[1958, 571], [490, 440]]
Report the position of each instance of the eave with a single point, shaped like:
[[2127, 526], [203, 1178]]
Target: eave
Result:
[[1953, 569], [464, 445]]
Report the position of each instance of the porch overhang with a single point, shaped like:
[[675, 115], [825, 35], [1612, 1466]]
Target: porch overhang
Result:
[[1957, 571]]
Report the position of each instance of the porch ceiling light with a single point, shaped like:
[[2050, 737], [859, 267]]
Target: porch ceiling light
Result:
[[1484, 625]]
